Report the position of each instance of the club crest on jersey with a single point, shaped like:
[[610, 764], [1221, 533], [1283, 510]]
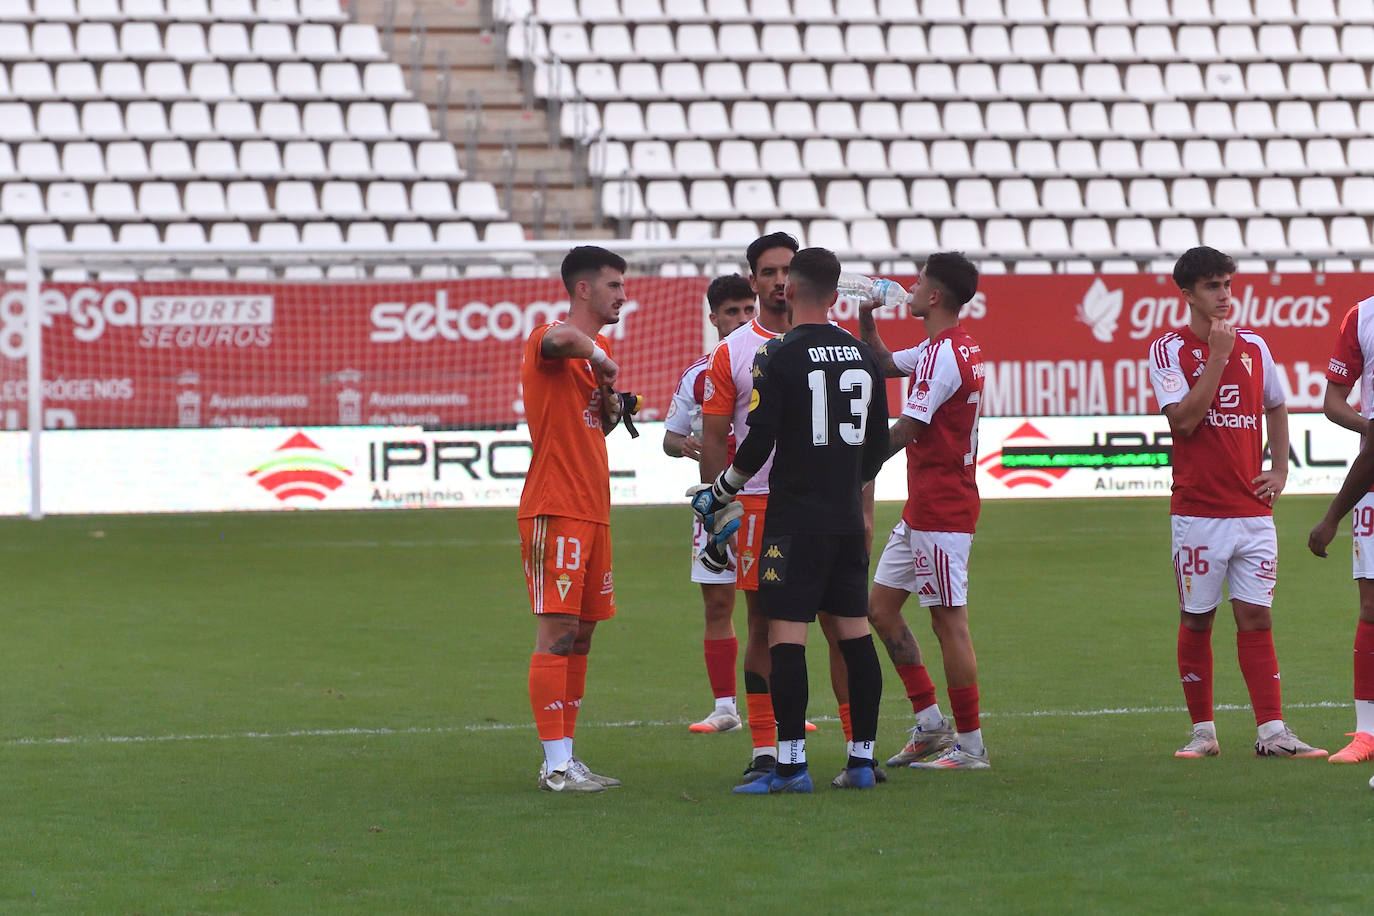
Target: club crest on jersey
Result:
[[564, 582], [1197, 354], [1245, 361]]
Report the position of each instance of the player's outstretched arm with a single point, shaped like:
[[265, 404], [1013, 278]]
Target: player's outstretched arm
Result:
[[868, 333], [1358, 480], [1337, 408], [904, 432]]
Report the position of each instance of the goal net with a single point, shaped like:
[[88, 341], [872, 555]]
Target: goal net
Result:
[[203, 339]]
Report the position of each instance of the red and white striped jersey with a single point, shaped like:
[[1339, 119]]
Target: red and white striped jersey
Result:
[[1214, 466], [946, 394], [684, 412], [1353, 357], [730, 383]]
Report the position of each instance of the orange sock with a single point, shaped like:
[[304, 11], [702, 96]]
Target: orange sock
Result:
[[845, 722], [763, 727], [577, 685], [548, 687]]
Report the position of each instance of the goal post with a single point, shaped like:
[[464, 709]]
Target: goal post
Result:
[[429, 337]]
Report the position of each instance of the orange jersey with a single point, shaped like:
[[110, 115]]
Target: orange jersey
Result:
[[569, 473]]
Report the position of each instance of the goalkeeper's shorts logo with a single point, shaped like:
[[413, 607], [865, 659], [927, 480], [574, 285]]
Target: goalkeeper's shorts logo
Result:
[[564, 582], [769, 575], [772, 553]]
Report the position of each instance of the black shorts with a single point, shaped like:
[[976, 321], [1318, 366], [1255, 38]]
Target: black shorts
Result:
[[800, 574]]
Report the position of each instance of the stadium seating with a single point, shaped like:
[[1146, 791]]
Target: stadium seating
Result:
[[1027, 131], [223, 120], [1034, 128]]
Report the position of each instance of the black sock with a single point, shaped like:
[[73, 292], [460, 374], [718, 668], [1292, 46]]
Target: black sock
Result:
[[865, 686], [754, 682], [789, 689]]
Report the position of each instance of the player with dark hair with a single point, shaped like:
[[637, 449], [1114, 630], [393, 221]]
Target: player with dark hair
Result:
[[567, 376], [927, 553], [730, 301], [1354, 359], [819, 414], [1214, 382]]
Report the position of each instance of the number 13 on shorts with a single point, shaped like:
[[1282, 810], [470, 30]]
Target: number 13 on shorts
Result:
[[568, 566]]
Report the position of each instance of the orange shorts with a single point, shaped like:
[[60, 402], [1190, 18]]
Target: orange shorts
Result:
[[748, 539], [568, 566]]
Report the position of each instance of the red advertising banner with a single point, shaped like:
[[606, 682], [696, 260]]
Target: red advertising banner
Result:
[[447, 354], [202, 353]]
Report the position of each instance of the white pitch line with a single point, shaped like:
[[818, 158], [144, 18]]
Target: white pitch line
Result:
[[524, 726]]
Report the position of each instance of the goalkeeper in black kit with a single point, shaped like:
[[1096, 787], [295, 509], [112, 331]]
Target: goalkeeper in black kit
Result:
[[820, 403]]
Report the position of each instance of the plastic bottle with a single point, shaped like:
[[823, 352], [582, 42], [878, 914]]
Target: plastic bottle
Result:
[[888, 292]]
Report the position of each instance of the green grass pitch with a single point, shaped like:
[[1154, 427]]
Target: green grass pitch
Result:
[[327, 713]]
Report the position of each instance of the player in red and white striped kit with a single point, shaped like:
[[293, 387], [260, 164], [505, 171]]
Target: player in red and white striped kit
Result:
[[1353, 359], [1216, 384], [730, 300], [927, 553]]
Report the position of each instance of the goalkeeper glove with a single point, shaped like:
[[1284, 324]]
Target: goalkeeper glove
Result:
[[715, 556], [714, 502]]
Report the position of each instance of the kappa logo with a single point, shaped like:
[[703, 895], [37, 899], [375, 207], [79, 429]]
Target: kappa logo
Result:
[[1012, 478], [771, 576], [756, 371], [772, 553], [300, 470], [1100, 310], [564, 582]]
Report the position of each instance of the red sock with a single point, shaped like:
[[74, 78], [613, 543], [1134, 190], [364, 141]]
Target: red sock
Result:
[[763, 727], [1260, 668], [1364, 661], [1195, 671], [964, 702], [548, 689], [576, 687], [721, 656], [846, 723], [919, 687]]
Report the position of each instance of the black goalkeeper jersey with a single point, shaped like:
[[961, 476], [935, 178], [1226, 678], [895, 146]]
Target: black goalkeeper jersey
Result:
[[820, 404]]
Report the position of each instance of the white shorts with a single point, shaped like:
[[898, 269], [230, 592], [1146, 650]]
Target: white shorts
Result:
[[1243, 553], [1362, 546], [932, 565], [700, 574]]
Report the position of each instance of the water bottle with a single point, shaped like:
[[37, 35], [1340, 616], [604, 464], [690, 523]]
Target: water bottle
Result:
[[887, 292]]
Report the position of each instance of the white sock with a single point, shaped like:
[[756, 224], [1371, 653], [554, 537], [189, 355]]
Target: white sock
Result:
[[567, 746], [728, 704], [972, 742], [861, 749], [1209, 728], [765, 752], [1364, 716], [1269, 729], [556, 754], [792, 751], [930, 717]]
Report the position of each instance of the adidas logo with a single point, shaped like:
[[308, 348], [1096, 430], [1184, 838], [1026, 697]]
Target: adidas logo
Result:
[[771, 576], [554, 706], [1191, 678], [772, 553], [928, 590]]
